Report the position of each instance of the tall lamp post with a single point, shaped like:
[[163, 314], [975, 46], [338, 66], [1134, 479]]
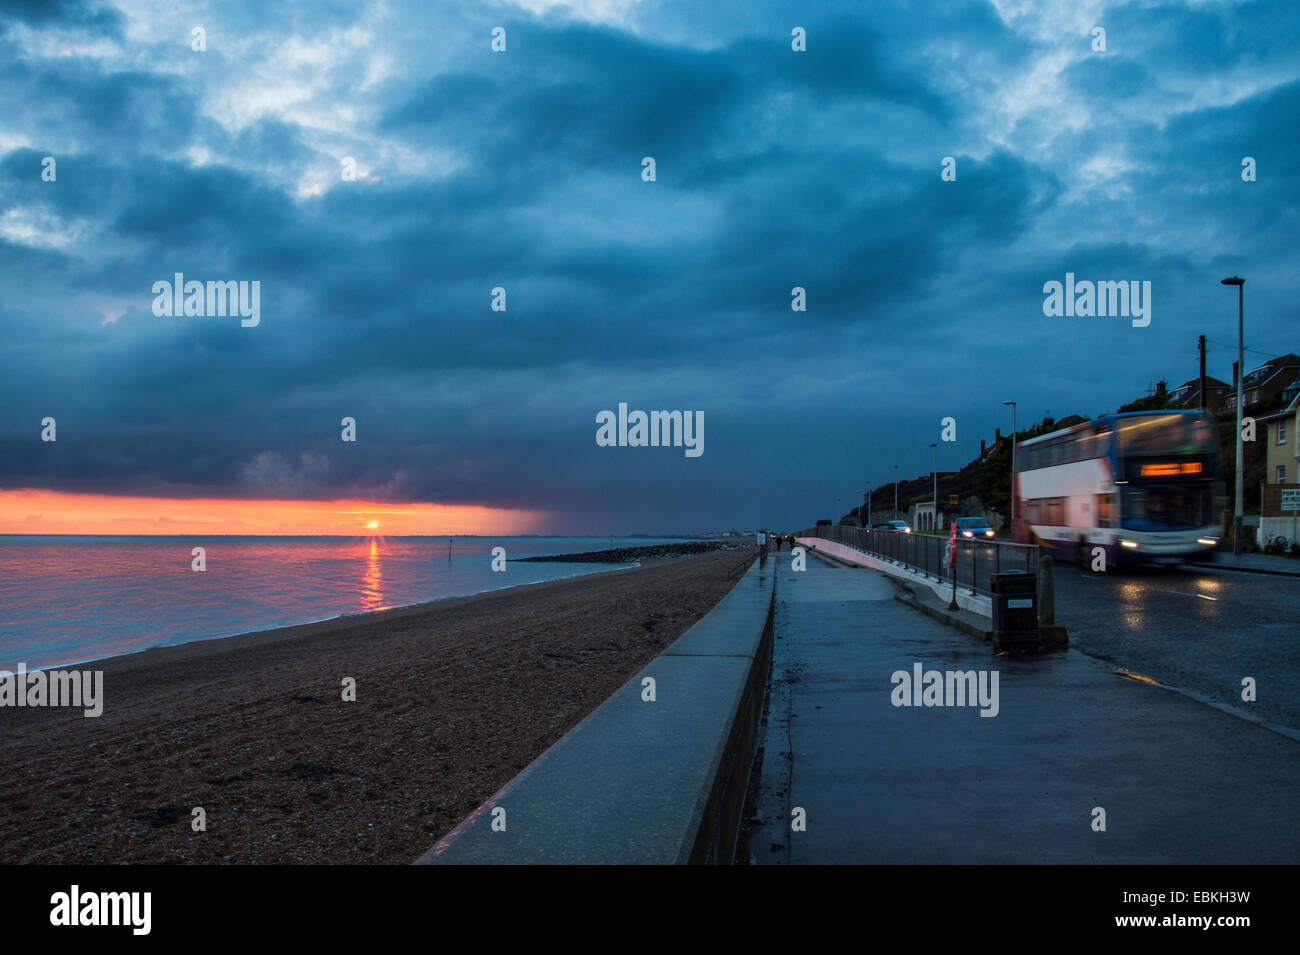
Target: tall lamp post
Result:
[[866, 502], [1241, 374], [895, 490], [1013, 464], [934, 471]]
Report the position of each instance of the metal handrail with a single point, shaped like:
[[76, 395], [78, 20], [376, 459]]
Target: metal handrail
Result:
[[977, 560]]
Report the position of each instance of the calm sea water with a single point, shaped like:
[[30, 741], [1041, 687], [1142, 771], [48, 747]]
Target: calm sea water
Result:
[[70, 599]]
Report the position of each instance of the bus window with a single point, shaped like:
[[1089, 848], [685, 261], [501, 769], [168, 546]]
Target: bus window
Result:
[[1103, 510], [1165, 434], [1094, 445]]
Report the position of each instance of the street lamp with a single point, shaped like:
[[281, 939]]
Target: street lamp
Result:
[[866, 503], [1013, 464], [934, 526], [1241, 374], [895, 490]]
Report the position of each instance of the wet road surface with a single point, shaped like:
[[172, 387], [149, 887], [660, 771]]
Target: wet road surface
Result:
[[1201, 629]]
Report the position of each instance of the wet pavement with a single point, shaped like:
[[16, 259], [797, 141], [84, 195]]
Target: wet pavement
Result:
[[1179, 781]]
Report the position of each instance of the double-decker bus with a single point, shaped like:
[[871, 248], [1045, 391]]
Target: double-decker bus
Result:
[[1145, 486]]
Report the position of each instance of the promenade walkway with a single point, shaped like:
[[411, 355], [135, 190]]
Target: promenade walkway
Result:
[[1180, 782], [1255, 563]]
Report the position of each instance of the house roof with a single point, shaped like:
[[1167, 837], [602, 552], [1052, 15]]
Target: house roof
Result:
[[1195, 384], [1295, 401], [1267, 371]]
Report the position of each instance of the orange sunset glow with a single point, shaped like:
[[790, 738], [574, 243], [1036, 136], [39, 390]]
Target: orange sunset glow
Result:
[[56, 512]]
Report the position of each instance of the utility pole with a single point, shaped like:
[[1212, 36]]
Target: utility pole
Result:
[[935, 472], [1204, 402], [1013, 464], [1241, 374]]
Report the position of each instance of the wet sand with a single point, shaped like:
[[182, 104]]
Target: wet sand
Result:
[[454, 698]]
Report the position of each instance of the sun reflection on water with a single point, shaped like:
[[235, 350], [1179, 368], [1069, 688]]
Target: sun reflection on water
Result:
[[372, 594]]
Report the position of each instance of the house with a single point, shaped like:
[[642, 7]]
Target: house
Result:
[[1188, 394], [1263, 386], [1280, 492], [1278, 431]]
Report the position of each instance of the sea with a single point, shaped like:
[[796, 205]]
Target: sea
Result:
[[66, 600]]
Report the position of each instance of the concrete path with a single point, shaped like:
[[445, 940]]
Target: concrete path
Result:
[[1180, 782]]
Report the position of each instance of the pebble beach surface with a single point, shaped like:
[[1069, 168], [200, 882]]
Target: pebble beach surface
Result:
[[453, 699]]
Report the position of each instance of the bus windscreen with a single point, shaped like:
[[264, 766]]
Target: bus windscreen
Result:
[[1166, 508]]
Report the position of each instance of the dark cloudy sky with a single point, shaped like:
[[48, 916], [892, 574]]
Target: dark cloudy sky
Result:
[[522, 169]]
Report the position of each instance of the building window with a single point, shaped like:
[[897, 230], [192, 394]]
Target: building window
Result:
[[1281, 431], [1281, 474]]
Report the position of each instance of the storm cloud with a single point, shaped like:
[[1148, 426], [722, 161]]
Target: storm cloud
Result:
[[522, 170]]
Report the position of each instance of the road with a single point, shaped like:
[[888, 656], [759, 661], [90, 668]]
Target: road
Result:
[[1204, 630]]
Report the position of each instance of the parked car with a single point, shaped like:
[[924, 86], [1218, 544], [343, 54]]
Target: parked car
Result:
[[898, 527], [971, 527]]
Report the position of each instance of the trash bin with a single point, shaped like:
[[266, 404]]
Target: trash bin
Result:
[[1015, 611]]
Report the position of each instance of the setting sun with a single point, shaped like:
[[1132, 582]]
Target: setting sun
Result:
[[372, 525]]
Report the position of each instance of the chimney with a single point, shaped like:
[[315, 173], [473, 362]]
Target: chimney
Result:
[[997, 435], [1160, 390], [981, 447]]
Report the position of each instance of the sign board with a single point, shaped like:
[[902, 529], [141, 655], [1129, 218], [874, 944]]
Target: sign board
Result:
[[1291, 499], [1165, 470], [952, 500]]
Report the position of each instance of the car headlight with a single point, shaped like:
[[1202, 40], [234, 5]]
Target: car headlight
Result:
[[1132, 544], [989, 534], [1207, 541], [967, 534]]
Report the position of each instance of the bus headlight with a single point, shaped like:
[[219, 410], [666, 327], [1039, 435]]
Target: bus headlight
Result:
[[1207, 541], [1132, 544]]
